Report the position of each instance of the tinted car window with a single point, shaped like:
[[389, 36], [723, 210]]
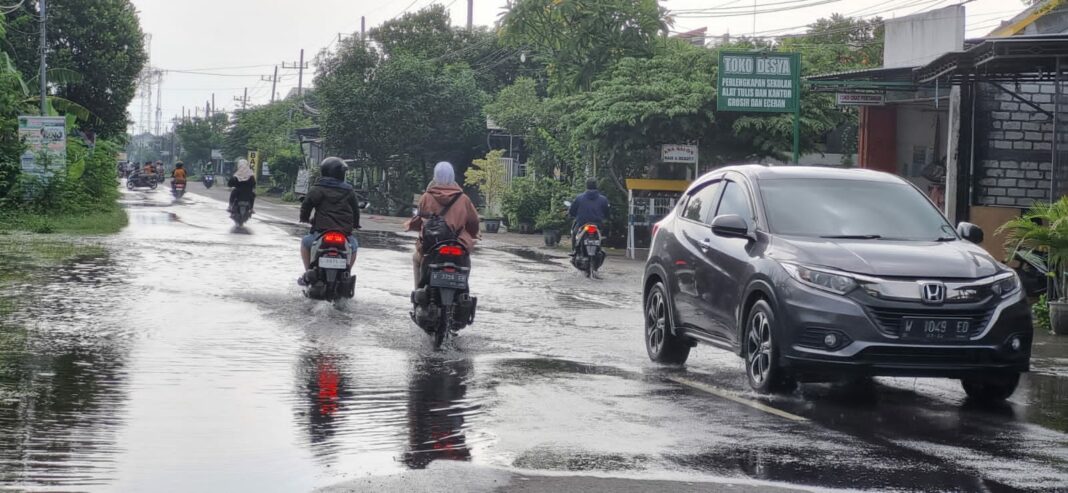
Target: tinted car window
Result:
[[827, 208], [734, 201], [701, 202]]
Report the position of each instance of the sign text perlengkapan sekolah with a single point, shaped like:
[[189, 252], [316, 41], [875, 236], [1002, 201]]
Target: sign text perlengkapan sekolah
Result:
[[761, 82], [765, 82]]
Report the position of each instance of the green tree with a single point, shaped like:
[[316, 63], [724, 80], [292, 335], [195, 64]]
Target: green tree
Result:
[[582, 38], [198, 136], [403, 112], [101, 40], [489, 174]]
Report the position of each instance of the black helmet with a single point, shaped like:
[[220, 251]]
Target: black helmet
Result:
[[179, 164], [334, 167]]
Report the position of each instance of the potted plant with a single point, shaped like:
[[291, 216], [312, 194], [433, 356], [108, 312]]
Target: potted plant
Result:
[[1044, 229], [552, 222], [488, 174]]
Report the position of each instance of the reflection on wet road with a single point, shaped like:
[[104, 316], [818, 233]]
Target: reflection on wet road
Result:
[[182, 357]]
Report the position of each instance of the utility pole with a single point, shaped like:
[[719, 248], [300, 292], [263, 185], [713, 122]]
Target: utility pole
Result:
[[44, 59], [243, 100], [363, 28], [159, 102], [299, 66], [470, 14], [273, 80], [213, 104]]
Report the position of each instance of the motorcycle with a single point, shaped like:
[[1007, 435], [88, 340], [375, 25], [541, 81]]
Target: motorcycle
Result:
[[141, 180], [241, 212], [178, 189], [209, 180], [442, 304], [330, 277], [588, 257]]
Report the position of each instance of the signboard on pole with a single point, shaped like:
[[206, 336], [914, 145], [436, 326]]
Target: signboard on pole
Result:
[[266, 169], [678, 153], [759, 82], [860, 99], [302, 182], [46, 144]]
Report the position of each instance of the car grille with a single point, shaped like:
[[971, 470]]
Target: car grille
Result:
[[889, 319], [928, 355]]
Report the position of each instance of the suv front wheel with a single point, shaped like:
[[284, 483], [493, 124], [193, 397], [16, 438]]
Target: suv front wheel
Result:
[[762, 367], [661, 342], [991, 389]]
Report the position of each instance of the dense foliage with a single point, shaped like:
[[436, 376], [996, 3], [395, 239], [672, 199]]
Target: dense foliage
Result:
[[99, 40]]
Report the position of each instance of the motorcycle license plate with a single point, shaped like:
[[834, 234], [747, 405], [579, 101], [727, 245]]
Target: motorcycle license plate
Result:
[[935, 329], [593, 242], [332, 263], [442, 279]]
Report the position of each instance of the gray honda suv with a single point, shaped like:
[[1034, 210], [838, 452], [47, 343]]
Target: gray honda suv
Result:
[[815, 274]]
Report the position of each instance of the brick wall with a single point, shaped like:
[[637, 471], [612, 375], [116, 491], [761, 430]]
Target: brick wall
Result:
[[1013, 144]]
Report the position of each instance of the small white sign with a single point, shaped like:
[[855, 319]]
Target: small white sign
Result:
[[860, 99], [266, 169], [678, 153], [302, 182]]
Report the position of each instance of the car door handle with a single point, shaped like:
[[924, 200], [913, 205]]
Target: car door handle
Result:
[[706, 244]]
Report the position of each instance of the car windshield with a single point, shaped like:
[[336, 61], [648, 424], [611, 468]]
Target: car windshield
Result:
[[851, 209]]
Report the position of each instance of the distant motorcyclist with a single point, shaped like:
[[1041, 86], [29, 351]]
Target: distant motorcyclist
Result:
[[243, 184], [462, 217], [590, 207], [336, 208], [178, 175]]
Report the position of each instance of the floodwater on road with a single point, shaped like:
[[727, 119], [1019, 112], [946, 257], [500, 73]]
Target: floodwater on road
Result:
[[183, 357]]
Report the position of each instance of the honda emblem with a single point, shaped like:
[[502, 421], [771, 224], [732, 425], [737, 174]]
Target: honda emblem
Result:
[[933, 293]]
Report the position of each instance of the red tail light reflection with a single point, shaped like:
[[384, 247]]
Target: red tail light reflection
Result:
[[591, 229]]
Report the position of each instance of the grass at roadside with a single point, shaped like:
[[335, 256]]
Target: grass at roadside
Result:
[[94, 223]]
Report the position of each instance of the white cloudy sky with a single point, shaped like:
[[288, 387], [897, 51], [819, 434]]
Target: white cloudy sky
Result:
[[238, 41]]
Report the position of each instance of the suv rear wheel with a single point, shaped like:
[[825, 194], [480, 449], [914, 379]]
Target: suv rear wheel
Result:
[[662, 344], [762, 367], [991, 389]]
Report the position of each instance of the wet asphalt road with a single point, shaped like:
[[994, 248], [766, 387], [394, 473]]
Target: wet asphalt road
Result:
[[186, 359]]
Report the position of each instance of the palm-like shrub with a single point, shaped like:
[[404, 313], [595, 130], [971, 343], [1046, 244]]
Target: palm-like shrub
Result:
[[1043, 228]]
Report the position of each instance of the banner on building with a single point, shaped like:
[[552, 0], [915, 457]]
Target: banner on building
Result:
[[759, 82], [46, 144], [302, 182], [860, 99]]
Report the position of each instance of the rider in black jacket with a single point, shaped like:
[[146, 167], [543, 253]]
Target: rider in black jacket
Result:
[[335, 205], [588, 208]]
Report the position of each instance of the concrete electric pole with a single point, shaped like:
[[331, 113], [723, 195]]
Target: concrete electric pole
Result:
[[44, 59], [299, 66]]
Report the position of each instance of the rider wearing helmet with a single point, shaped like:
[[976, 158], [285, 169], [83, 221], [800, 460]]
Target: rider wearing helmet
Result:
[[243, 183], [178, 175], [336, 208]]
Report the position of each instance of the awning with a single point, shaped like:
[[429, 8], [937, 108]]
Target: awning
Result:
[[1019, 58], [873, 80], [657, 185]]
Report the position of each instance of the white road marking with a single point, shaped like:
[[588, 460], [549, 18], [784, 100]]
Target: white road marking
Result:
[[734, 398]]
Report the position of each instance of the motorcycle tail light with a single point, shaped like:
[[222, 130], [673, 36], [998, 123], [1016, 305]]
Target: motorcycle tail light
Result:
[[334, 238], [591, 229], [451, 251]]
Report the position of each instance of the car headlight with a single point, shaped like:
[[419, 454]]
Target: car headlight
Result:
[[1007, 286], [821, 279]]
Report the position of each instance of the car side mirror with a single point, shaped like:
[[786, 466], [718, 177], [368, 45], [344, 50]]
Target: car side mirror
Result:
[[731, 226], [364, 204], [970, 232]]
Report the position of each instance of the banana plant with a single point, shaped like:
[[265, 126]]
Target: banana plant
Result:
[[54, 105]]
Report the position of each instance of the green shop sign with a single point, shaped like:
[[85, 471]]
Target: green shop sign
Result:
[[759, 82]]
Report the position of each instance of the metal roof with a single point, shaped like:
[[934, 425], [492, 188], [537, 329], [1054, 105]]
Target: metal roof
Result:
[[998, 59], [873, 79]]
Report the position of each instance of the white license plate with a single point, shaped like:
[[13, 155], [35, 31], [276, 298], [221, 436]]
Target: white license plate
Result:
[[593, 242], [332, 263]]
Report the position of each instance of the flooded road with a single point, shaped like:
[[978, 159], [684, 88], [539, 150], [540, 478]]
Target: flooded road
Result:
[[182, 356]]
